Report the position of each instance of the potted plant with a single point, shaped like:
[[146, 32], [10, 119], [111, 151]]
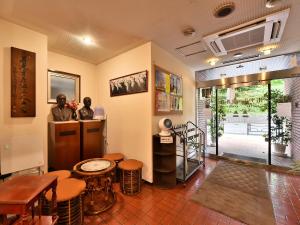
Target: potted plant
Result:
[[235, 114], [212, 125], [280, 134], [245, 113]]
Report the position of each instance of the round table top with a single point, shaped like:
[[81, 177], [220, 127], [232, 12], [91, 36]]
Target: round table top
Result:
[[94, 167], [114, 156], [130, 164], [61, 174], [67, 189]]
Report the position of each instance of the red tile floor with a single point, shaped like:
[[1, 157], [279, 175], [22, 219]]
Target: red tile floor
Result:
[[174, 207]]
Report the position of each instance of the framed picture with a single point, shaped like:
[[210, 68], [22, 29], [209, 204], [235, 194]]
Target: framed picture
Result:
[[63, 83], [22, 83], [129, 84], [168, 93]]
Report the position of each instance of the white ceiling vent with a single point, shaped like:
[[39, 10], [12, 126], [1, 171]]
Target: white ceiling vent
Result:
[[191, 49], [266, 30]]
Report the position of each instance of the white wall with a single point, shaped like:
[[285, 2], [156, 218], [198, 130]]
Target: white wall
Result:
[[129, 116], [168, 62], [15, 151], [87, 72]]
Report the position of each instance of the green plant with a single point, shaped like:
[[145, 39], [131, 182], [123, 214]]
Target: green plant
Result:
[[212, 122], [277, 96], [281, 130]]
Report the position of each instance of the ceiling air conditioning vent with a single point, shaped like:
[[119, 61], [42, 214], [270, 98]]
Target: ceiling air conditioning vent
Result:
[[241, 59], [266, 30]]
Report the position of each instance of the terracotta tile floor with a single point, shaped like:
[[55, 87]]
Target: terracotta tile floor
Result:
[[173, 207]]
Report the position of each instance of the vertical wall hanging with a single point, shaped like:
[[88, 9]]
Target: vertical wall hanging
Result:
[[22, 83]]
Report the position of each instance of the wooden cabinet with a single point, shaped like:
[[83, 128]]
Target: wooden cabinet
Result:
[[164, 162], [92, 139], [63, 145]]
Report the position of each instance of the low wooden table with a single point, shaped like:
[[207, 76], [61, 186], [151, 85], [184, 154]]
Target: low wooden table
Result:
[[97, 174], [18, 195]]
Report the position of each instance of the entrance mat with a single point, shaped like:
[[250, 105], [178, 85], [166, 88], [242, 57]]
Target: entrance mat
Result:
[[238, 191], [242, 157]]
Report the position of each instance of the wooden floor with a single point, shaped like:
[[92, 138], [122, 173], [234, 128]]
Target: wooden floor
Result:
[[173, 207]]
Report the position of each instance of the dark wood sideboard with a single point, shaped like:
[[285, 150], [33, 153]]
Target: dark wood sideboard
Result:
[[63, 145], [92, 139]]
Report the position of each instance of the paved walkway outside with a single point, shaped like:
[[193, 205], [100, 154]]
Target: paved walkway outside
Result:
[[248, 145]]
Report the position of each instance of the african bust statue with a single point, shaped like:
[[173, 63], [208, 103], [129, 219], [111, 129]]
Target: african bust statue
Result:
[[86, 113], [61, 112]]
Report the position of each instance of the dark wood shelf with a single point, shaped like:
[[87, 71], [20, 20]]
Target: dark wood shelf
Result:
[[164, 153], [164, 163]]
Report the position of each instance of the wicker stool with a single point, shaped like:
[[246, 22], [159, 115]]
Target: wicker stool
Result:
[[61, 174], [131, 176], [69, 202], [117, 157]]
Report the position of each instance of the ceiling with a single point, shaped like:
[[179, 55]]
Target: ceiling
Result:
[[117, 25]]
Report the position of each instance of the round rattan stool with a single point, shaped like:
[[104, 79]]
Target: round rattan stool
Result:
[[69, 202], [61, 174], [131, 176], [117, 157]]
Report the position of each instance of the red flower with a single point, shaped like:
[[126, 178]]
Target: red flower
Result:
[[72, 105]]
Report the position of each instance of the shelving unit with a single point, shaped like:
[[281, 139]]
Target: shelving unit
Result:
[[190, 149], [164, 163], [180, 159]]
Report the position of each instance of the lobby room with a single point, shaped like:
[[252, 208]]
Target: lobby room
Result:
[[150, 112]]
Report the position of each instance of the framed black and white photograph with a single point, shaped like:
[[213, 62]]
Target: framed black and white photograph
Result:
[[63, 83], [129, 84]]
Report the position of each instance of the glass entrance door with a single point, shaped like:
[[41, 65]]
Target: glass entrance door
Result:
[[243, 122]]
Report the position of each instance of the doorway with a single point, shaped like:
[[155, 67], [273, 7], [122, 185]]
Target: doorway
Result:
[[243, 122]]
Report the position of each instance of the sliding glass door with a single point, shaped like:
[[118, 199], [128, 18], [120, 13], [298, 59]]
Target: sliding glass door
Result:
[[254, 122], [243, 122]]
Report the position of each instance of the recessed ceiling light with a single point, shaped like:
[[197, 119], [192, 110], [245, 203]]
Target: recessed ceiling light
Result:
[[237, 55], [212, 61], [272, 3], [267, 50], [87, 40]]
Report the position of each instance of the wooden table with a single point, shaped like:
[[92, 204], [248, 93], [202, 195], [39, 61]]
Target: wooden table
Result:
[[18, 195], [100, 195]]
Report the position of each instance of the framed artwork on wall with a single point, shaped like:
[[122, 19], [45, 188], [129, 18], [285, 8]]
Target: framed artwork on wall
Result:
[[63, 83], [168, 92], [22, 83], [129, 84]]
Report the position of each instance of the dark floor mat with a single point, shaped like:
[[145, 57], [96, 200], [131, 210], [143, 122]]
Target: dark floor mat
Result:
[[242, 157]]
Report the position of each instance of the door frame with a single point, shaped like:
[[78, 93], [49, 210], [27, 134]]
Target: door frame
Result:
[[269, 159]]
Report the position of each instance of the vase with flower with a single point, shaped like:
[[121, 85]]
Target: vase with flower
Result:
[[73, 105]]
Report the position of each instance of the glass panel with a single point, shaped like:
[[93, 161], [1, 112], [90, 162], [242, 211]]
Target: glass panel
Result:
[[243, 122], [285, 94]]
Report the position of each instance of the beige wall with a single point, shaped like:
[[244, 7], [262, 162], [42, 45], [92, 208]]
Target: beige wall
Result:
[[23, 140], [87, 72], [130, 122], [168, 62], [129, 116]]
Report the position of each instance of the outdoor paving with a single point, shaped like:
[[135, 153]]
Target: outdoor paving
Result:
[[248, 145]]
